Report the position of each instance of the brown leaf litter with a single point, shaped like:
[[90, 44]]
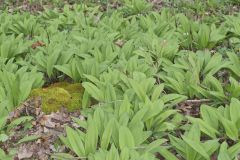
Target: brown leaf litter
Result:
[[46, 127], [192, 107]]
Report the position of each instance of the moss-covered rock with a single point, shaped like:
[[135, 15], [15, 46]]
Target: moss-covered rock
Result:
[[59, 95]]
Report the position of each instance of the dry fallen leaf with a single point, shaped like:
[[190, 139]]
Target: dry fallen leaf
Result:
[[38, 44], [119, 42], [24, 152]]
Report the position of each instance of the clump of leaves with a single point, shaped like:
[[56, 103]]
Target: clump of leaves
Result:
[[190, 146], [136, 6], [193, 35], [215, 118], [16, 84], [11, 46], [100, 138]]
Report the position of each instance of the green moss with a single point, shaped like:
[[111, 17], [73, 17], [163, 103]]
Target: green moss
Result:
[[71, 88], [76, 101], [60, 95]]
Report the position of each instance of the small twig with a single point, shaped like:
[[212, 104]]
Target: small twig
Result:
[[198, 101], [158, 80], [103, 103], [26, 110]]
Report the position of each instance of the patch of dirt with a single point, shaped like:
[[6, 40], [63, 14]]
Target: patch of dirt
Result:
[[46, 128], [157, 4], [192, 107]]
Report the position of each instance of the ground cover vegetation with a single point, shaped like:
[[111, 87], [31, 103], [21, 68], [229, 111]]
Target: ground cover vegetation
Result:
[[120, 80]]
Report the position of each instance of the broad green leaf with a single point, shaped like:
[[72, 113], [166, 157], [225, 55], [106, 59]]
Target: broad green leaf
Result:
[[230, 128], [234, 110], [155, 144], [194, 133], [110, 94], [125, 107], [125, 138], [208, 114], [85, 100], [63, 156], [125, 154], [80, 123], [75, 142], [28, 138], [3, 122], [166, 154], [2, 153], [211, 146], [173, 98], [204, 127], [138, 116], [138, 90], [197, 147], [157, 92], [19, 121], [93, 79], [139, 135], [164, 116], [91, 139], [178, 144], [93, 91], [153, 109], [112, 154], [65, 69], [107, 135], [51, 61], [223, 153], [234, 150]]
